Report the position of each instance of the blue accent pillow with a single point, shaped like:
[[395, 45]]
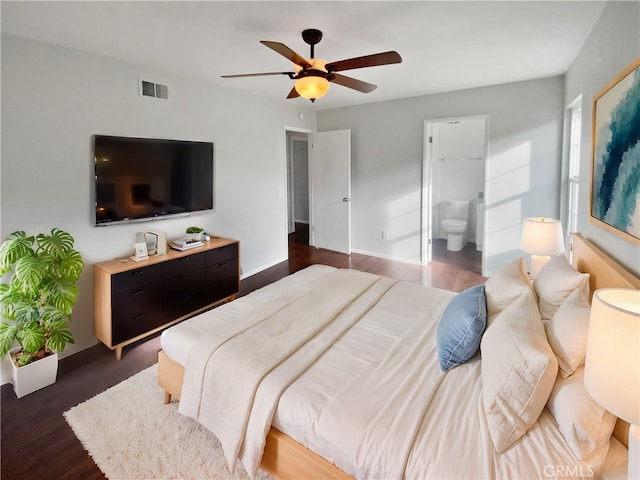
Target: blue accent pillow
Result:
[[461, 327]]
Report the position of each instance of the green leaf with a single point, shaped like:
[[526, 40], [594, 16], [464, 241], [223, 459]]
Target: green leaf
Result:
[[7, 337], [31, 338], [72, 265], [8, 297], [67, 268], [63, 296], [51, 317], [57, 244], [16, 245], [26, 312], [58, 340], [30, 270]]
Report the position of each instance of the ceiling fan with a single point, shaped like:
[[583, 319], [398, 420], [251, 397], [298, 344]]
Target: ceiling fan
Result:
[[313, 75]]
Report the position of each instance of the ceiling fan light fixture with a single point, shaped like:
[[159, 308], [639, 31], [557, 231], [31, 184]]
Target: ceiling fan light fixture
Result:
[[312, 87]]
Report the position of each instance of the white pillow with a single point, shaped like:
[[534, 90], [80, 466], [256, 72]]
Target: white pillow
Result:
[[503, 287], [518, 371], [555, 281], [567, 332], [585, 425]]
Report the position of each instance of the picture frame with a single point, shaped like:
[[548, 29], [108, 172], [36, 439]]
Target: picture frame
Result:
[[140, 252], [614, 201]]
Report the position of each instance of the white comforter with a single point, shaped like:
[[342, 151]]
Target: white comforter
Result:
[[224, 371], [367, 393]]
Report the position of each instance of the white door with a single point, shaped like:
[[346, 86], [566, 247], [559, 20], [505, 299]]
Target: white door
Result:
[[427, 216], [330, 154]]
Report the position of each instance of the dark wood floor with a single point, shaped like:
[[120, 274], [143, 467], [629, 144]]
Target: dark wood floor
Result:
[[37, 443], [469, 258]]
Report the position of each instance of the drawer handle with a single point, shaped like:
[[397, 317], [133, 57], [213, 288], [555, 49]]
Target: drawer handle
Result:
[[186, 299], [185, 259], [140, 316], [137, 292], [223, 264], [183, 277], [139, 272], [224, 284]]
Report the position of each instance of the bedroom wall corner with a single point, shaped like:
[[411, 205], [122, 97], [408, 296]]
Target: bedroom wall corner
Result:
[[522, 172]]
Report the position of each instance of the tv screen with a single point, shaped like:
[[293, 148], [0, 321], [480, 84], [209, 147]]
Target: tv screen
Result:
[[146, 178]]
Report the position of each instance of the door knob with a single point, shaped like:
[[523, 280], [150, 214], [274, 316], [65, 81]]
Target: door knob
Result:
[[345, 199]]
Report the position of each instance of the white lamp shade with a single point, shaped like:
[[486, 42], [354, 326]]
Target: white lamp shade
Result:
[[612, 366], [542, 236]]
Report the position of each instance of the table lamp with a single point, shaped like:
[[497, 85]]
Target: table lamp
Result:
[[612, 365], [541, 237]]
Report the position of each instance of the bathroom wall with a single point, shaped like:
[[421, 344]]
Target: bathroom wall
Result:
[[458, 168]]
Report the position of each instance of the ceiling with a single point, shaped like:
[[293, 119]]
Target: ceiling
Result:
[[445, 46]]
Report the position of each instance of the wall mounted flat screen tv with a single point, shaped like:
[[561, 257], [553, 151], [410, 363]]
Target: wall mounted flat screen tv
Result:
[[140, 179]]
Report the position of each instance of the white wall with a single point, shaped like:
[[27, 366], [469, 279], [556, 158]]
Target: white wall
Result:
[[522, 170], [54, 99], [300, 160], [613, 44]]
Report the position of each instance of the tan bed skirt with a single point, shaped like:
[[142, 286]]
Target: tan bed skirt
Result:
[[283, 457]]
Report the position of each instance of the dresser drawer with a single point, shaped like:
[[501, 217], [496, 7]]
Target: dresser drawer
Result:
[[129, 326], [221, 271], [183, 283], [184, 293], [180, 266], [137, 311], [136, 301], [135, 278], [222, 254], [186, 303], [222, 288]]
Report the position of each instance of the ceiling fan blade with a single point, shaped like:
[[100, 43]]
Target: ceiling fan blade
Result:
[[349, 82], [257, 74], [286, 52], [385, 58], [293, 93]]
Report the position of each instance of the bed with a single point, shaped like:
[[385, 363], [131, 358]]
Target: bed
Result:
[[361, 390]]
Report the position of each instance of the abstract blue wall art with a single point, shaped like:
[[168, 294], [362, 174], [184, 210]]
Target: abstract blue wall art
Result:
[[615, 187]]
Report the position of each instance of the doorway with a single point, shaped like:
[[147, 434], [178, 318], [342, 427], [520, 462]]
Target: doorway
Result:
[[298, 219], [454, 163], [318, 167]]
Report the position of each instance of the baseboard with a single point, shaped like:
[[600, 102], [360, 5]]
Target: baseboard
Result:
[[249, 273], [387, 257]]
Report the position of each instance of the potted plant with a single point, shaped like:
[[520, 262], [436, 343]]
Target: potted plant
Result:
[[195, 232], [36, 303]]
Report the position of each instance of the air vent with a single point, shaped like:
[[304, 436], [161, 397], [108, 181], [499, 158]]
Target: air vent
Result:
[[154, 90], [162, 91]]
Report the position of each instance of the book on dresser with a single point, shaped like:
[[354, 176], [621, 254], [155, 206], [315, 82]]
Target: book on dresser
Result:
[[184, 244], [137, 299]]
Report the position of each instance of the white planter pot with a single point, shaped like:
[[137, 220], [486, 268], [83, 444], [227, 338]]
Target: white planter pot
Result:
[[34, 376]]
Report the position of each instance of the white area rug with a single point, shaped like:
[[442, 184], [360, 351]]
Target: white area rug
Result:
[[131, 434]]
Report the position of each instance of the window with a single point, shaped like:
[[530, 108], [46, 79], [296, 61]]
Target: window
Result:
[[575, 124]]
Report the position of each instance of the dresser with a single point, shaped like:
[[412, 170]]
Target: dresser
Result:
[[136, 299]]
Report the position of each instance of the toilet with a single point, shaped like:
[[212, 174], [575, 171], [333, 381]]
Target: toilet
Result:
[[455, 216]]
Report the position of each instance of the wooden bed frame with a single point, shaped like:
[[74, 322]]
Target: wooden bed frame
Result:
[[285, 458]]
